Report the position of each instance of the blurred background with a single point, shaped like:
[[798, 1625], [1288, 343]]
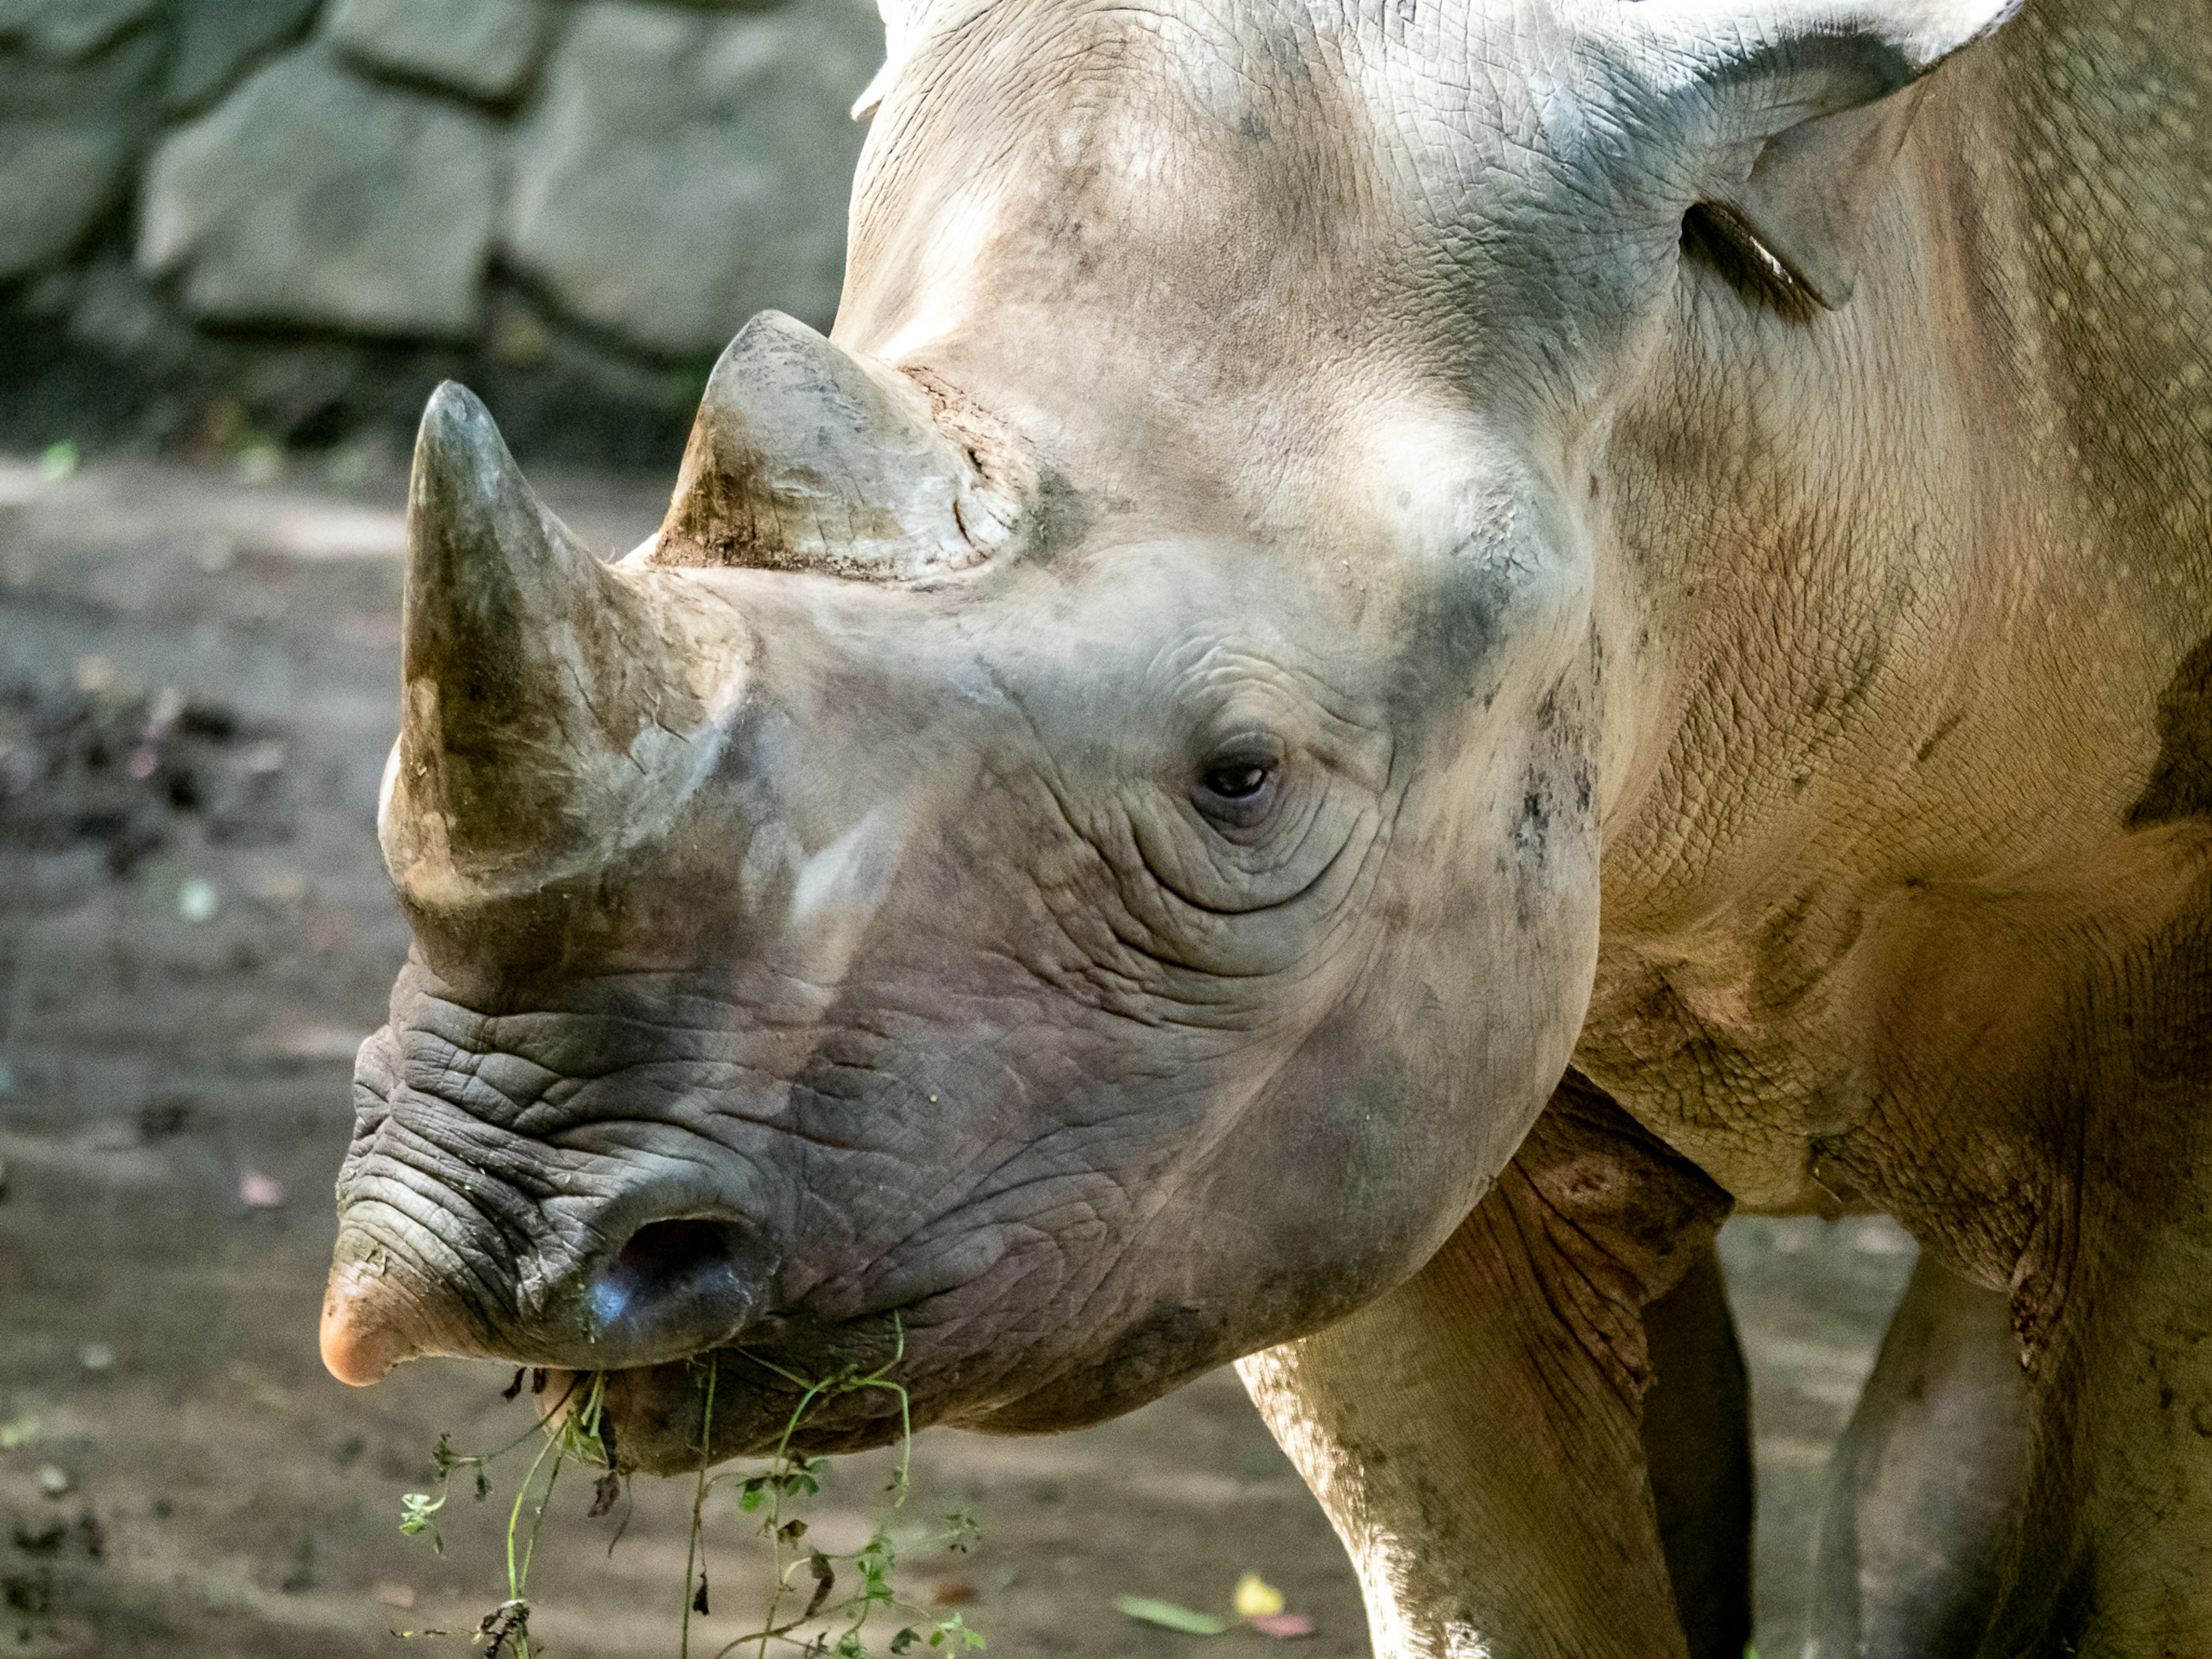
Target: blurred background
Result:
[[239, 242], [233, 225]]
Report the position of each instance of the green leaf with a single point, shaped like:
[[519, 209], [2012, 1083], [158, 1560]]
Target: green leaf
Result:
[[1168, 1616]]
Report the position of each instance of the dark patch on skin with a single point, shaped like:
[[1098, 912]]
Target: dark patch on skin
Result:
[[2180, 785], [1057, 516], [1950, 724], [1449, 638], [1254, 127]]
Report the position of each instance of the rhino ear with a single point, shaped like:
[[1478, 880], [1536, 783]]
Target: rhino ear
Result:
[[899, 17], [1803, 106]]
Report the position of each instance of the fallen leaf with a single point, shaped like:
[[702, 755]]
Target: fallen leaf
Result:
[[95, 1357], [260, 1192], [17, 1433], [394, 1596], [1257, 1598], [1282, 1625], [825, 1580], [54, 1480], [1168, 1616]]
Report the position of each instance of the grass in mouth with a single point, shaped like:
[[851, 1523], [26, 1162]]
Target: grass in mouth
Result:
[[841, 1625]]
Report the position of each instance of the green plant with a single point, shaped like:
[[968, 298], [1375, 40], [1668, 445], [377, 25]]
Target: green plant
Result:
[[840, 1623], [571, 1436]]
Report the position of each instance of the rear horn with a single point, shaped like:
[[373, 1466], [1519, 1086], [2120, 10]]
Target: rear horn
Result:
[[806, 457]]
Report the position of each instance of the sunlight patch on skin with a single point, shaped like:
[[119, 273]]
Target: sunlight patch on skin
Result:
[[840, 889]]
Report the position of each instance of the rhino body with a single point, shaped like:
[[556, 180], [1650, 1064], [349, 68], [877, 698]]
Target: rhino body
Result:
[[1398, 653]]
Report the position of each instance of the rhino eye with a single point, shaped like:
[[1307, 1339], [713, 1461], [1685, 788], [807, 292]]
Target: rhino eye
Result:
[[1239, 782], [1236, 790]]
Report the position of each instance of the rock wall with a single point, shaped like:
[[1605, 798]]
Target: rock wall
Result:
[[291, 216]]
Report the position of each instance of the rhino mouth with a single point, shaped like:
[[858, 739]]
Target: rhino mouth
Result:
[[843, 1388]]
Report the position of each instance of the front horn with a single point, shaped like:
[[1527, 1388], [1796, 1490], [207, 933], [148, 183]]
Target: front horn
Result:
[[807, 458], [545, 714]]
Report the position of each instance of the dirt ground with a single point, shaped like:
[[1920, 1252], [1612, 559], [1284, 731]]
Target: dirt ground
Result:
[[198, 684]]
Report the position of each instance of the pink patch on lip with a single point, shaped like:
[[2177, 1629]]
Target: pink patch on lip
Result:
[[1282, 1624]]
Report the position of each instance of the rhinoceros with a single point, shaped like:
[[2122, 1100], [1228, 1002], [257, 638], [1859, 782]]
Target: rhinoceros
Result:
[[1396, 654]]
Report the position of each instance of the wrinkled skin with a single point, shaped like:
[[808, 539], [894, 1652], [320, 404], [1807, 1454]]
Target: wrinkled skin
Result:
[[1491, 538]]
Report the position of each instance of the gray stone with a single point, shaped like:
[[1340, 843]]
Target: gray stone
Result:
[[680, 171], [55, 181], [309, 196], [217, 40], [66, 135], [109, 91], [69, 30], [484, 48]]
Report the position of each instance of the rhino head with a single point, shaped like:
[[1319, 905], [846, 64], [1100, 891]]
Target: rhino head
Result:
[[1073, 855]]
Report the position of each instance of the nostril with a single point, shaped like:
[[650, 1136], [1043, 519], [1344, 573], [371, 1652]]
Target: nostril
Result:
[[674, 1288], [662, 1255]]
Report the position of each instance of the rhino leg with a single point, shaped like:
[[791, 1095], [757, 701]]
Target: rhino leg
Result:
[[1475, 1437], [2045, 1130], [1924, 1493], [1696, 1441]]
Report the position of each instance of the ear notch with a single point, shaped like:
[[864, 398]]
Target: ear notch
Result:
[[1807, 103]]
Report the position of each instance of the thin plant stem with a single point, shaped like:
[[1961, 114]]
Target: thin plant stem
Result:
[[699, 1499], [516, 1581]]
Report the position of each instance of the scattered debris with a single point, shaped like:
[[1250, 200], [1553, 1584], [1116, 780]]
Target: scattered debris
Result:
[[57, 462], [259, 1192], [54, 1480], [1169, 1616], [164, 1116], [96, 1357], [501, 1625], [196, 899], [39, 1537], [1255, 1598], [29, 1592], [301, 1575], [103, 763], [605, 1491]]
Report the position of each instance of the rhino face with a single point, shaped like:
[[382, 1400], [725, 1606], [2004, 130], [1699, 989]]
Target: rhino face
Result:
[[1073, 855]]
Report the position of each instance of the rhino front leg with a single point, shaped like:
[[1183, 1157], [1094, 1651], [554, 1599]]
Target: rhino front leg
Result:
[[1475, 1435], [1923, 1496]]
